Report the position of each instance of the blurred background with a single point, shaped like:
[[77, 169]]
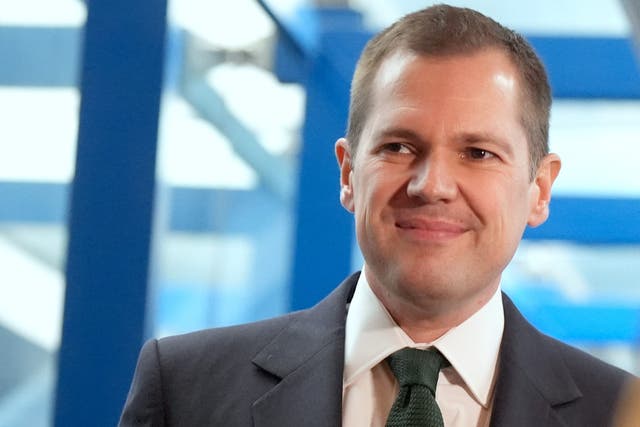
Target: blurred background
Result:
[[166, 167]]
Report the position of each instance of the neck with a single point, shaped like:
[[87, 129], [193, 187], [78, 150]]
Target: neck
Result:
[[425, 319]]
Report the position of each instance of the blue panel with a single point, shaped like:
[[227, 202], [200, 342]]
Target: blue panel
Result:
[[289, 64], [175, 57], [336, 33], [585, 323], [594, 321], [591, 221], [579, 67], [33, 202], [585, 67], [39, 56], [184, 307], [324, 44], [222, 211], [305, 24], [110, 210], [324, 229]]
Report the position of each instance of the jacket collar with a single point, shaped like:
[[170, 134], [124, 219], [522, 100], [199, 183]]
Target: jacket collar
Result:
[[308, 357], [532, 377]]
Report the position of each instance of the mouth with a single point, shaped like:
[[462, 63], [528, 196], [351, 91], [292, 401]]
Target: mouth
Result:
[[435, 230]]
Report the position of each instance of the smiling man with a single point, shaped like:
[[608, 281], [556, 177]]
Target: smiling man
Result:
[[440, 185], [445, 163]]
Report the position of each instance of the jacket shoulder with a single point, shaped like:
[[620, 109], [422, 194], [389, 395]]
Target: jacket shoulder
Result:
[[577, 388], [239, 340], [592, 375], [178, 377]]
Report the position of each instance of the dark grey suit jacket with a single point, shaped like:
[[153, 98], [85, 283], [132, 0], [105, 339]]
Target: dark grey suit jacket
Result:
[[288, 371]]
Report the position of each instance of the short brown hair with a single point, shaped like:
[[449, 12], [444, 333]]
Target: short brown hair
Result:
[[443, 30]]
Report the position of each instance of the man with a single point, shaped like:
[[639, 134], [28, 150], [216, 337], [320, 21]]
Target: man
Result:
[[445, 162]]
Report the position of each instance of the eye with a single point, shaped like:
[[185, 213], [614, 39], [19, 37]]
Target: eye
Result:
[[396, 147], [474, 153]]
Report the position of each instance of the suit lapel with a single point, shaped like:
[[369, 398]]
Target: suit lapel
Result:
[[308, 357], [532, 377]]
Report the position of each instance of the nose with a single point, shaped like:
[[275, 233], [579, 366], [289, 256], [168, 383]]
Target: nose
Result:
[[433, 180]]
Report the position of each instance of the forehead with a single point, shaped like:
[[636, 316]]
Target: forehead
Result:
[[471, 93], [448, 72]]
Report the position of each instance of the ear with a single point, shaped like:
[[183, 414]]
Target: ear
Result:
[[541, 196], [343, 155]]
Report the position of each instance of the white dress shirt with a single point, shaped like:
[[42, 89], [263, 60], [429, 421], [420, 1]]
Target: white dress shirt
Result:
[[465, 389]]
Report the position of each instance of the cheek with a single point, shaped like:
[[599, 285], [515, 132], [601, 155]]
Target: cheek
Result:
[[373, 209], [514, 210], [502, 205], [369, 188], [366, 204]]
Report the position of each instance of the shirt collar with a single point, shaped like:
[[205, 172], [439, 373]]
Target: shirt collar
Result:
[[472, 347]]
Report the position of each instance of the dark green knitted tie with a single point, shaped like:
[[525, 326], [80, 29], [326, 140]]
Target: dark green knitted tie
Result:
[[417, 373]]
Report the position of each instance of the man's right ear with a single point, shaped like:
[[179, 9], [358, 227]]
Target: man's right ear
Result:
[[343, 155]]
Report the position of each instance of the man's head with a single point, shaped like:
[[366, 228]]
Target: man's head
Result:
[[439, 178], [444, 31]]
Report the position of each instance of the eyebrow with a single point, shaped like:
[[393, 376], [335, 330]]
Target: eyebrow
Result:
[[399, 132]]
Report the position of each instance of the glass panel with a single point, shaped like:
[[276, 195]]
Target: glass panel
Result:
[[581, 294], [39, 44], [596, 141], [574, 17], [228, 144]]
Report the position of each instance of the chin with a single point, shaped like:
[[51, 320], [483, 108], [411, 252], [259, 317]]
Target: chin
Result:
[[422, 284], [427, 290]]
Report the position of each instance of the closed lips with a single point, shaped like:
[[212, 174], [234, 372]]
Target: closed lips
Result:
[[431, 225]]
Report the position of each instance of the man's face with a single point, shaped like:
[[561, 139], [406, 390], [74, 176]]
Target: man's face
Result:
[[440, 185]]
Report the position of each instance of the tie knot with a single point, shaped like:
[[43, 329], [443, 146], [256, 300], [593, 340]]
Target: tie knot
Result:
[[413, 366]]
